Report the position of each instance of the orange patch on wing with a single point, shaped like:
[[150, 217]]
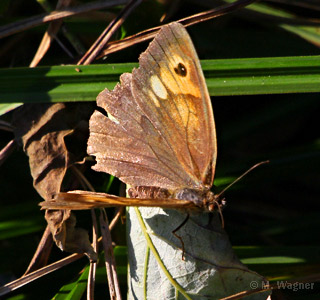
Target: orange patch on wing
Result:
[[179, 84]]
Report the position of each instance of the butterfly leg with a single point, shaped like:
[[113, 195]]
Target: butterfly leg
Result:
[[178, 236]]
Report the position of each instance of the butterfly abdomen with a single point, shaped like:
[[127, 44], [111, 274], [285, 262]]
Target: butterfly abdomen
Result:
[[147, 192], [196, 196]]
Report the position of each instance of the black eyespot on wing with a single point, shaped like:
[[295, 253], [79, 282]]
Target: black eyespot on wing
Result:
[[181, 70]]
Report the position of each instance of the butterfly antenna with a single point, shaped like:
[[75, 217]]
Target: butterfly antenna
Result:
[[220, 210], [241, 176]]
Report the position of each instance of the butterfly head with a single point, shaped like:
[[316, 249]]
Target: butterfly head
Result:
[[213, 202], [204, 199]]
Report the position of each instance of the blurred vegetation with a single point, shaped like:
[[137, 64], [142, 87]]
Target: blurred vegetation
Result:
[[272, 215]]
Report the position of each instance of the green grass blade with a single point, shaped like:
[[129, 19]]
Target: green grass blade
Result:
[[6, 107], [74, 290], [224, 77], [253, 76], [19, 219], [309, 33]]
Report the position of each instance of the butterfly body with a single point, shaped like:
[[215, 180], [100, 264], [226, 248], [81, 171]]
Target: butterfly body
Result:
[[203, 199]]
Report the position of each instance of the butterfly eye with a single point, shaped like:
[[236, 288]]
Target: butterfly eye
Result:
[[181, 70]]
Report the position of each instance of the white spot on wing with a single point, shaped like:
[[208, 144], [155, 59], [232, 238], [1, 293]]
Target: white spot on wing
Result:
[[158, 87]]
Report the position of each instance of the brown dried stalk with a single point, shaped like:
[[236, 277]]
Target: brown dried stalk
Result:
[[188, 21], [114, 287], [34, 21], [13, 285], [103, 39]]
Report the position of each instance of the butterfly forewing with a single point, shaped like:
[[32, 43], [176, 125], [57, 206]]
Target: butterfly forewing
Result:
[[170, 89], [160, 129]]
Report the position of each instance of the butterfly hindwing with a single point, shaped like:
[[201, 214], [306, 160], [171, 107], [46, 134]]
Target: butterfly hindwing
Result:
[[127, 145]]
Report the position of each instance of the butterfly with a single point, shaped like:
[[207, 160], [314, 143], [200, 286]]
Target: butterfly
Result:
[[155, 132]]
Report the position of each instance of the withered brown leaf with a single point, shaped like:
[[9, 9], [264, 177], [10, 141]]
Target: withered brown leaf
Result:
[[42, 130]]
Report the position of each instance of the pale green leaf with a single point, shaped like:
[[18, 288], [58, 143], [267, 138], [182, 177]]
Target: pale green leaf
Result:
[[210, 269]]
